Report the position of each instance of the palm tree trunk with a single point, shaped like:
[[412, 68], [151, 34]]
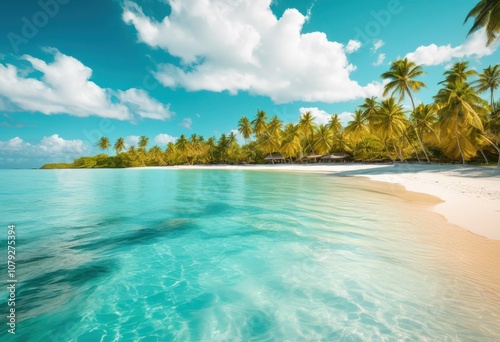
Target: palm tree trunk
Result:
[[396, 150], [415, 128], [387, 150], [492, 101], [496, 148], [413, 147], [484, 156], [458, 144]]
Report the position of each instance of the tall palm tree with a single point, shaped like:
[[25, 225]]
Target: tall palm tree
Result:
[[245, 128], [459, 72], [182, 145], [401, 77], [424, 119], [357, 128], [143, 142], [334, 124], [323, 139], [308, 126], [290, 144], [389, 122], [119, 145], [489, 79], [156, 155], [461, 109], [369, 107], [103, 143], [259, 123], [487, 15]]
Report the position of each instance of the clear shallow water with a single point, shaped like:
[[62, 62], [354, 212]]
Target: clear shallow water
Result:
[[203, 255]]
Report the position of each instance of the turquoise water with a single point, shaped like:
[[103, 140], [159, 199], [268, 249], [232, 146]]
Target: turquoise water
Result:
[[203, 255]]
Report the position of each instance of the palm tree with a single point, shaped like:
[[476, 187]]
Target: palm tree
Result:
[[259, 124], [369, 107], [334, 124], [103, 143], [143, 142], [323, 139], [245, 128], [389, 122], [487, 15], [358, 127], [489, 79], [424, 119], [119, 145], [402, 76], [290, 144], [461, 109], [459, 72], [308, 126], [156, 155]]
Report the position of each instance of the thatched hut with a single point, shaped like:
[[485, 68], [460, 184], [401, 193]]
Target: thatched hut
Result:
[[333, 158], [275, 158]]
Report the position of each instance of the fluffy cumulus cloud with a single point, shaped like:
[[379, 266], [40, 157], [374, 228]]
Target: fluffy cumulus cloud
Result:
[[131, 140], [16, 151], [145, 106], [65, 88], [320, 116], [380, 59], [352, 46], [377, 44], [474, 46], [241, 45], [164, 139]]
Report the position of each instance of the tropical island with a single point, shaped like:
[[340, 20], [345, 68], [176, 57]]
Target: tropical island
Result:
[[459, 126]]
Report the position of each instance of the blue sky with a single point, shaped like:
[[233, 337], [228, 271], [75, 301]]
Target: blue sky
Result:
[[74, 70]]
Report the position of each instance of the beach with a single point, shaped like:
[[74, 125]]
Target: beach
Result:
[[470, 195]]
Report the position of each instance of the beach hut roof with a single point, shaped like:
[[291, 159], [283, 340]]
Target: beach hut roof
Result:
[[332, 156], [314, 156], [275, 156]]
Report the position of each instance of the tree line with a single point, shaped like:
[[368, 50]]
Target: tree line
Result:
[[459, 126]]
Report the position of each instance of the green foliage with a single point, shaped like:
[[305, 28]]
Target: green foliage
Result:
[[459, 125], [58, 166]]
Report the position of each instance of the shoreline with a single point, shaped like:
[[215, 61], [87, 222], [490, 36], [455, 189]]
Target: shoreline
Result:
[[470, 194]]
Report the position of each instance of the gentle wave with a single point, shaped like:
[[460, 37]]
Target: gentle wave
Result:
[[241, 256]]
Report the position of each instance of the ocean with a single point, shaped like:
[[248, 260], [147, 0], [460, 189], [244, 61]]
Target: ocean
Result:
[[223, 255]]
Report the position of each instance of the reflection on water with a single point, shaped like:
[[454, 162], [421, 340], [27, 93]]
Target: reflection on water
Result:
[[241, 255]]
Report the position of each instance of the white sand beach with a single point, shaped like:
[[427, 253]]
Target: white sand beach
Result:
[[470, 194]]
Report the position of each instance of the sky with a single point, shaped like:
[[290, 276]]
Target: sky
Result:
[[72, 71]]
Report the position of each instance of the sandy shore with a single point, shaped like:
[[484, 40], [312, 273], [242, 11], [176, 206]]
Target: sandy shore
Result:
[[471, 195]]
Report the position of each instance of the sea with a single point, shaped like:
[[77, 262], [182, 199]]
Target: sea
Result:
[[235, 255]]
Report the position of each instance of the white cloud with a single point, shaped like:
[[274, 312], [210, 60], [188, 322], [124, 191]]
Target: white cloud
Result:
[[239, 137], [53, 146], [380, 59], [377, 44], [164, 139], [186, 123], [57, 145], [323, 118], [474, 46], [320, 116], [65, 88], [352, 46], [345, 117], [131, 140], [242, 46], [145, 106]]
